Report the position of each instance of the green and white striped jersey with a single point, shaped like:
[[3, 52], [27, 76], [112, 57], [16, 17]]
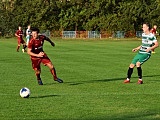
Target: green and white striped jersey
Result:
[[147, 41]]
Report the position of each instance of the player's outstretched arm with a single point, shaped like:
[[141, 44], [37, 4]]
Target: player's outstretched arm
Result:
[[135, 49], [52, 43]]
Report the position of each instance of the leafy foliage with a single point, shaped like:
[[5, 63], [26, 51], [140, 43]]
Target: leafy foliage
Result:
[[110, 15]]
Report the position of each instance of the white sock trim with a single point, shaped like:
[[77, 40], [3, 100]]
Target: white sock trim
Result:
[[128, 79]]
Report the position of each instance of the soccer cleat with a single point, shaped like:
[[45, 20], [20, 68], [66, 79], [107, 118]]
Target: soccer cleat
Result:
[[126, 81], [40, 82], [59, 80], [23, 50], [140, 81]]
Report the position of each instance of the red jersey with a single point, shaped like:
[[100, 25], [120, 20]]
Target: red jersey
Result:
[[19, 33], [36, 45], [153, 31]]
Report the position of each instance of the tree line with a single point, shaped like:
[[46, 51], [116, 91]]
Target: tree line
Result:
[[77, 15]]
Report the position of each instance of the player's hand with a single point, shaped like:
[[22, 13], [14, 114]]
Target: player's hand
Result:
[[52, 44], [40, 54], [134, 50], [148, 50]]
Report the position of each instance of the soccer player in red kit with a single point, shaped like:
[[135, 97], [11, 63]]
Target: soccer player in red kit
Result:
[[19, 35], [38, 56], [153, 31]]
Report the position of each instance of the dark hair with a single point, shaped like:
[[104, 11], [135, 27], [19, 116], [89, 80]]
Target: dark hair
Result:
[[19, 25], [148, 25], [35, 29]]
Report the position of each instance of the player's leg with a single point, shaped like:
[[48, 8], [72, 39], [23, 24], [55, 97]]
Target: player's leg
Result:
[[27, 37], [130, 70], [36, 67], [131, 67], [139, 71], [129, 73], [37, 73], [18, 46], [24, 46], [47, 62], [53, 72], [143, 58]]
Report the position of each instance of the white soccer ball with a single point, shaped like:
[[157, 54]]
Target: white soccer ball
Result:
[[25, 92]]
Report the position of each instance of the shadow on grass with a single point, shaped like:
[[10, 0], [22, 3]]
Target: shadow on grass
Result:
[[106, 80], [131, 116], [94, 81], [102, 80], [43, 96]]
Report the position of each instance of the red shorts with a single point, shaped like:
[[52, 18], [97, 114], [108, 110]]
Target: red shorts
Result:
[[37, 61], [21, 41]]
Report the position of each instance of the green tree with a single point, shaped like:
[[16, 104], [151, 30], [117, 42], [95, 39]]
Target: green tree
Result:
[[69, 16], [6, 25], [131, 14], [110, 15], [40, 13]]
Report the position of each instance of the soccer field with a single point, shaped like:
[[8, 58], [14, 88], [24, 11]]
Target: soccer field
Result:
[[93, 72]]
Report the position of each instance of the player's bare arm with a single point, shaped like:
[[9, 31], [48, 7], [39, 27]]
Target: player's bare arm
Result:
[[52, 43], [29, 51], [135, 49], [16, 35], [153, 47]]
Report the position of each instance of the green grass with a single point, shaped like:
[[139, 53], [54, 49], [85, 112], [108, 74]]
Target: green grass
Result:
[[93, 72]]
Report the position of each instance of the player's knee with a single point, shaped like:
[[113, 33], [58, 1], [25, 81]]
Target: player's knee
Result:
[[131, 65], [50, 66], [138, 64], [37, 71]]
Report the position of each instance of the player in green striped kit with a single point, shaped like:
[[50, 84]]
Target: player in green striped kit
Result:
[[149, 42]]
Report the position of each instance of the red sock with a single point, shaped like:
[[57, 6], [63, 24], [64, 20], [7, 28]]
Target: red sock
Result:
[[18, 48], [53, 72], [38, 76]]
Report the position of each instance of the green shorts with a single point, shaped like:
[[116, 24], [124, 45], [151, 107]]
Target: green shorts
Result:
[[140, 57]]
